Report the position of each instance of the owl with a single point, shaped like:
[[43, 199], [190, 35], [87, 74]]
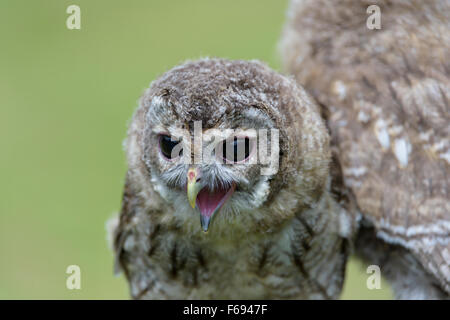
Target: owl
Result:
[[385, 96], [205, 215]]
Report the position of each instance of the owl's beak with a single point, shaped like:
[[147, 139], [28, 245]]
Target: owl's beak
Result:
[[207, 201], [194, 185]]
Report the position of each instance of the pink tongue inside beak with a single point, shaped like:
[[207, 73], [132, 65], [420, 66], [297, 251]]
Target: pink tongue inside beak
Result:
[[208, 202]]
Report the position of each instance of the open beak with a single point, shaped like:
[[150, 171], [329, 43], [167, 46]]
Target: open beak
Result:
[[194, 185], [207, 201]]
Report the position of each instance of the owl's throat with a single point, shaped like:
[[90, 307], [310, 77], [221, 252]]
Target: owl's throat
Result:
[[209, 202]]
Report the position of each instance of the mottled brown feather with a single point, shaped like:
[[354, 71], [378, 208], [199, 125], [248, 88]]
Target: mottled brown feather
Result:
[[386, 95]]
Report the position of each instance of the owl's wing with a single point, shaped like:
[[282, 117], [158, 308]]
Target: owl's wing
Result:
[[386, 97], [392, 136], [130, 205]]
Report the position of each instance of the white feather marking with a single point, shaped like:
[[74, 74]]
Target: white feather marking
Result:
[[129, 244], [382, 133], [402, 148], [355, 171], [439, 146], [157, 100], [395, 131], [363, 117], [425, 136], [445, 269], [439, 227], [339, 89], [352, 183], [345, 224], [342, 123], [446, 255], [445, 156], [260, 193]]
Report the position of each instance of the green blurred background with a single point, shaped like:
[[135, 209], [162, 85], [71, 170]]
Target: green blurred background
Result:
[[65, 99]]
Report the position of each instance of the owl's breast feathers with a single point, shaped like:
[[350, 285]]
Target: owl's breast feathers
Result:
[[303, 259]]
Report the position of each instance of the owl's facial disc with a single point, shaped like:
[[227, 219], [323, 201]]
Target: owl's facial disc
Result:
[[208, 201]]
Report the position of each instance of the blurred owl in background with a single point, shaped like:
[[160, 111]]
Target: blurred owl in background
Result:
[[385, 95], [364, 170]]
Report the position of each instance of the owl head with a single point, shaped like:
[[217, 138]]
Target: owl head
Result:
[[231, 142]]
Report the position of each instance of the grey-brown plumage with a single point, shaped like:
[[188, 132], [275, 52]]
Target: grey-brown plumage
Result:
[[282, 235], [385, 94]]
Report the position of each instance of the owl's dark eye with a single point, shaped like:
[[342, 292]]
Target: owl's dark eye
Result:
[[237, 149], [170, 148]]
